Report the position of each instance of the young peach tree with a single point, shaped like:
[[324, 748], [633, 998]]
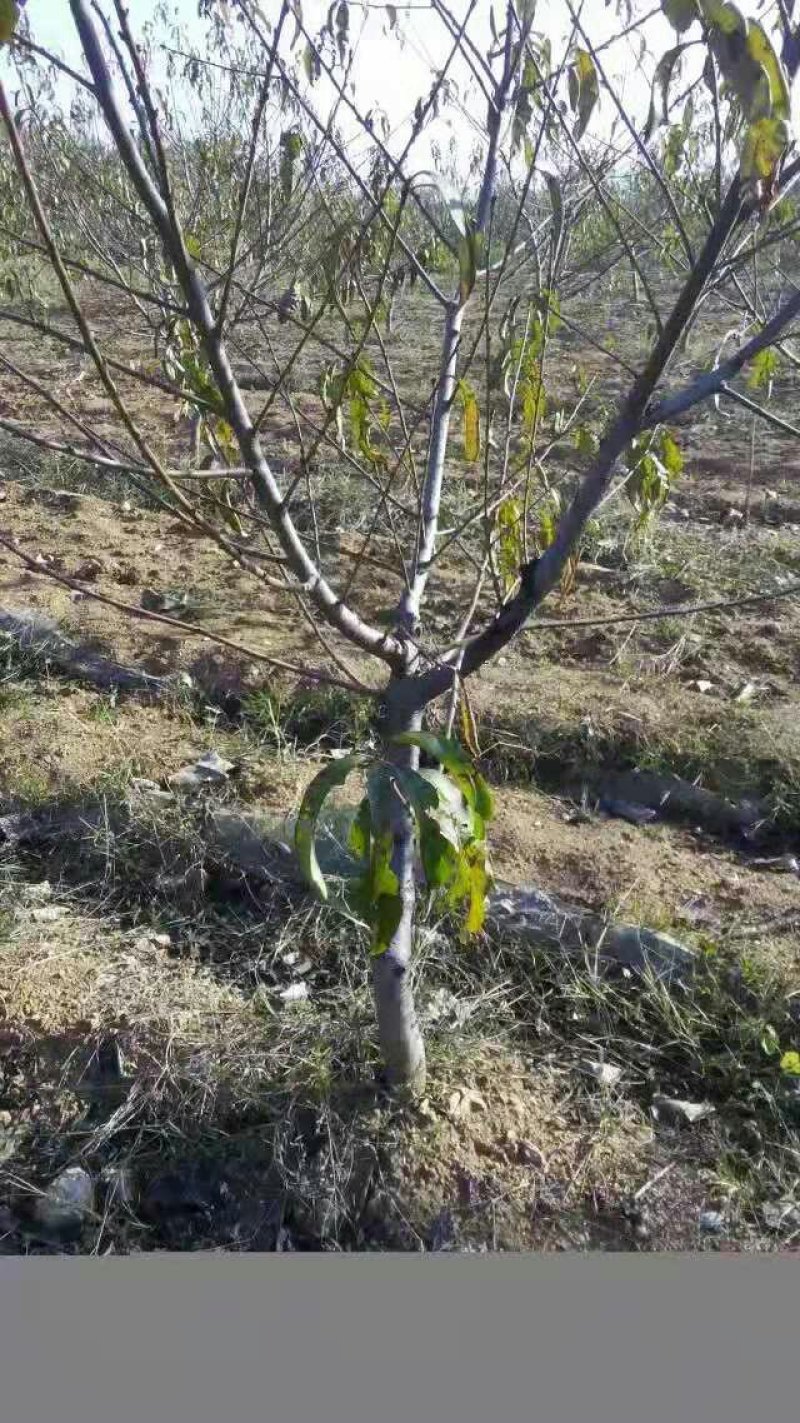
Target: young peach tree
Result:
[[244, 207]]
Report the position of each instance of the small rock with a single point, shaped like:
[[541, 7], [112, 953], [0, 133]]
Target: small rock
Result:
[[142, 787], [783, 1215], [711, 1222], [604, 1072], [295, 993], [170, 603], [5, 1119], [210, 769], [66, 1204], [673, 1109], [461, 1104], [529, 1155], [89, 571], [703, 685], [781, 864], [733, 518], [747, 692], [38, 893], [46, 913]]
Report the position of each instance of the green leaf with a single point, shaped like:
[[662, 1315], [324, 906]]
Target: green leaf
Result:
[[440, 748], [420, 794], [585, 441], [748, 62], [680, 13], [334, 774], [670, 454], [193, 246], [360, 835], [763, 369], [584, 89], [452, 814], [9, 19], [387, 916], [472, 422], [439, 857], [790, 1064]]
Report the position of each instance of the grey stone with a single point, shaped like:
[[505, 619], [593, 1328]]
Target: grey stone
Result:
[[674, 1110], [66, 1205], [711, 1222], [542, 919]]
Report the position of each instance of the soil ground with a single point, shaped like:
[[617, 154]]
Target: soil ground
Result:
[[240, 1119]]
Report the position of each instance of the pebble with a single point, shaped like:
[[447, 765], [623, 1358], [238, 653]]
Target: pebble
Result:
[[65, 1205], [711, 1222]]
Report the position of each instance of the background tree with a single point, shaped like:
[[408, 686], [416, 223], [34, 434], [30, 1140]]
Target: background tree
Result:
[[214, 196]]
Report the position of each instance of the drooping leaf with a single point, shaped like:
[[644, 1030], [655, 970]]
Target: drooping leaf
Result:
[[451, 813], [9, 19], [479, 884], [360, 835], [387, 916], [762, 51], [748, 61], [334, 774], [438, 855], [680, 13], [472, 422], [670, 454], [379, 894], [557, 204], [765, 142], [468, 257], [666, 69], [510, 545], [584, 89], [421, 795], [763, 369], [444, 749], [291, 148], [469, 730]]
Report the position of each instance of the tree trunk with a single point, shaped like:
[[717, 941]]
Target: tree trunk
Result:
[[401, 1044]]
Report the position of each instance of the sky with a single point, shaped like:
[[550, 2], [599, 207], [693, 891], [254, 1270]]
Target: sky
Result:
[[387, 73], [393, 73]]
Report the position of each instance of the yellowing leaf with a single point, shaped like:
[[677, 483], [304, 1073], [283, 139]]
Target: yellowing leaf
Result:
[[472, 423], [763, 53], [764, 145], [763, 369], [584, 88]]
